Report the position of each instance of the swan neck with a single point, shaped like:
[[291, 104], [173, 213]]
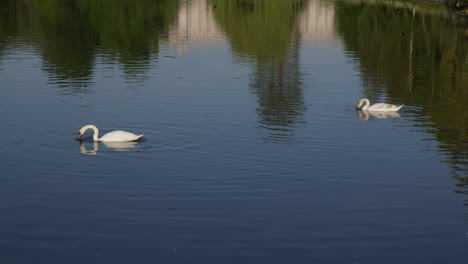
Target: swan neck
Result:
[[366, 103], [94, 128], [96, 133]]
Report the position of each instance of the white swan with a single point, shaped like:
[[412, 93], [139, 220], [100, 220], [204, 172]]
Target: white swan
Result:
[[377, 107], [117, 135]]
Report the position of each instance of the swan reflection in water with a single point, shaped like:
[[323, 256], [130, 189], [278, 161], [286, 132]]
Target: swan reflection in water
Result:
[[365, 114], [116, 146]]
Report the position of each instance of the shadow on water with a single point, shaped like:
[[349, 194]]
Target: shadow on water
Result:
[[421, 59], [273, 53]]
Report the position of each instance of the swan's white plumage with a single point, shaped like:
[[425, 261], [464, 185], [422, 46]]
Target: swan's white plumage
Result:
[[115, 136], [377, 107]]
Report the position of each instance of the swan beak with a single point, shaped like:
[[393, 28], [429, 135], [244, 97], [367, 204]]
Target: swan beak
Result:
[[80, 135]]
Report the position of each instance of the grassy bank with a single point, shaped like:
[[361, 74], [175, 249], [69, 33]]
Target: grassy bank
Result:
[[446, 8]]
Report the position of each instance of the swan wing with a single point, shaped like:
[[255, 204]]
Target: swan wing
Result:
[[384, 107], [120, 135]]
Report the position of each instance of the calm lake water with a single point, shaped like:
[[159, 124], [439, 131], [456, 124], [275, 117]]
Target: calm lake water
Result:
[[252, 151]]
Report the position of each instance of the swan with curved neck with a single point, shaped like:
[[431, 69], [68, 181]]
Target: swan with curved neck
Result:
[[377, 107], [117, 135]]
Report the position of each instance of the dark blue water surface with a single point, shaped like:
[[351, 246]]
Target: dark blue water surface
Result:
[[252, 149]]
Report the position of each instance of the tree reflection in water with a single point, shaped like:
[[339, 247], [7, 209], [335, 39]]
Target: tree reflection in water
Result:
[[417, 55], [273, 51], [75, 35]]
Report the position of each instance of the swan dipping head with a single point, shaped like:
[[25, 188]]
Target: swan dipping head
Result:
[[83, 130], [114, 136], [364, 104]]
